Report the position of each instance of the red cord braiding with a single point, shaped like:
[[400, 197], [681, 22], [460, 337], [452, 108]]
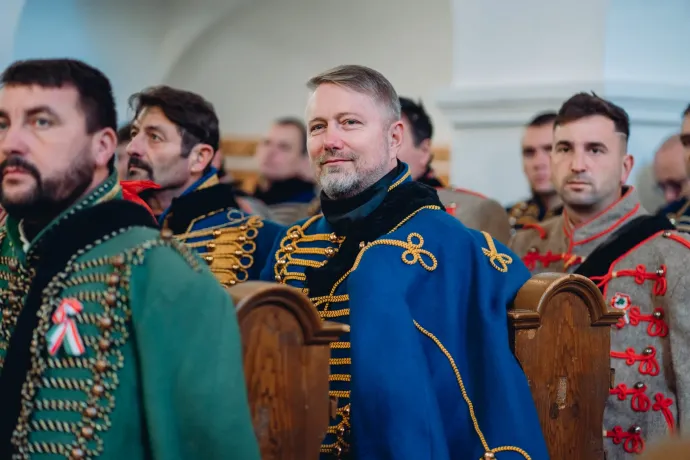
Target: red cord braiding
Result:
[[631, 439], [662, 404], [648, 362], [639, 402], [640, 275]]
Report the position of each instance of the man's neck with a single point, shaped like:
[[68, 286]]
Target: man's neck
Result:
[[160, 200], [581, 215]]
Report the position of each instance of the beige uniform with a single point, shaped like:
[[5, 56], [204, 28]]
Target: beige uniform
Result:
[[477, 212], [650, 346]]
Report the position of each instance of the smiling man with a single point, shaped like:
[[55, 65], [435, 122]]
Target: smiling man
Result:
[[637, 261], [115, 341], [387, 259], [175, 136]]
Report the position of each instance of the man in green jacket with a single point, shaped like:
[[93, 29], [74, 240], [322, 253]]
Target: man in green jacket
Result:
[[115, 342]]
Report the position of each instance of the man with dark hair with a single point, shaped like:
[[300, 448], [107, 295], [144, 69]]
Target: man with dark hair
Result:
[[544, 203], [175, 136], [411, 281], [472, 209], [121, 159], [95, 301], [637, 260], [678, 212], [282, 158]]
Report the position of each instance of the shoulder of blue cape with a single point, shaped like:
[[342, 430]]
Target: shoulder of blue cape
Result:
[[428, 314]]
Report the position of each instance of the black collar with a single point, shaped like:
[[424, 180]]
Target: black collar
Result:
[[343, 213], [395, 206], [186, 208]]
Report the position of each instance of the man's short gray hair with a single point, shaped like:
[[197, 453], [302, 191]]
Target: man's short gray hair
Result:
[[363, 80]]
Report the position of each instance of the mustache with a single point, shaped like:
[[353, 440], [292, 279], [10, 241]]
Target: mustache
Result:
[[332, 155], [578, 178], [20, 162], [136, 162]]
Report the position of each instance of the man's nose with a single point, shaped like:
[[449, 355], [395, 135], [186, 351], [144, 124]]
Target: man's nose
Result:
[[12, 142]]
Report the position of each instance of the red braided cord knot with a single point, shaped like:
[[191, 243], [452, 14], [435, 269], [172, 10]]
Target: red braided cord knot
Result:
[[640, 275], [657, 327], [639, 402], [631, 439], [648, 362], [663, 404], [532, 257]]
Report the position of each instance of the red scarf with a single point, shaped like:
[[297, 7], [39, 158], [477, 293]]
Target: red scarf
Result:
[[131, 189]]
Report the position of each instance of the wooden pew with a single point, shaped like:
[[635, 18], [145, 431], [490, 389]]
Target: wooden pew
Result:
[[562, 333], [286, 348]]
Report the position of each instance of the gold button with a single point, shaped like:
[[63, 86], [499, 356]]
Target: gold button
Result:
[[118, 261], [91, 412], [113, 280], [76, 454], [101, 365], [216, 233], [294, 235], [332, 237], [166, 234], [211, 246], [105, 322], [208, 259], [87, 432], [104, 344], [110, 298], [97, 390], [330, 252]]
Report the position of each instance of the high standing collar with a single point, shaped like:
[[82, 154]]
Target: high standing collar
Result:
[[608, 220]]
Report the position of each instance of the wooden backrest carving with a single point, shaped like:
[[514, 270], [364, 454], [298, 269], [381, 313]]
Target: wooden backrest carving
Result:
[[286, 348], [562, 330]]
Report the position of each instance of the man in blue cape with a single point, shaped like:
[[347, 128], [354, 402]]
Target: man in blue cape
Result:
[[427, 371]]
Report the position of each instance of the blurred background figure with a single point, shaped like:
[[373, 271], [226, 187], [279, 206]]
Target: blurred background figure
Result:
[[670, 172]]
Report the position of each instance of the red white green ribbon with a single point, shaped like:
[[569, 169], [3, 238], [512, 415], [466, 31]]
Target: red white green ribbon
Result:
[[65, 331]]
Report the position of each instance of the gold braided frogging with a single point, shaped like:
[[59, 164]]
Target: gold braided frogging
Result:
[[489, 451], [228, 248], [495, 256]]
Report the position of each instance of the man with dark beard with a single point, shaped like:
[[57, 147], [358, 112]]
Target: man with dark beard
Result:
[[416, 287], [175, 136], [83, 272]]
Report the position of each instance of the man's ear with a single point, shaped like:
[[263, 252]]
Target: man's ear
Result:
[[200, 157], [395, 138], [104, 143], [628, 163]]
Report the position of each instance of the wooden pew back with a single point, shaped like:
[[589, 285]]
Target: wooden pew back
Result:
[[286, 348], [562, 330]]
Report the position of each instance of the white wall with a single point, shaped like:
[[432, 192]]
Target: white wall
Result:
[[135, 42], [254, 64]]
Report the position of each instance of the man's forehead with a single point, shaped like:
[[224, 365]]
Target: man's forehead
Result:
[[329, 99], [152, 116], [586, 129], [29, 96]]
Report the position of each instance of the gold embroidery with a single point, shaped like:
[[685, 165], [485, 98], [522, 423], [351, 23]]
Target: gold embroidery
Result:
[[227, 248], [325, 246], [467, 399], [494, 256], [88, 382]]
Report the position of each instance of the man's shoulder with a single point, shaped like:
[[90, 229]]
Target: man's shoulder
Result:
[[154, 250], [449, 195], [533, 234]]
